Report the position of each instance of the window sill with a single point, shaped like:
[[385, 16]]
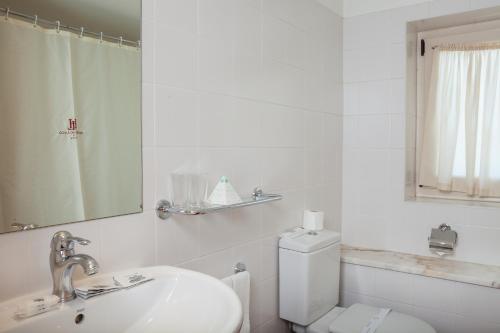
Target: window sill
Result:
[[459, 271], [461, 202]]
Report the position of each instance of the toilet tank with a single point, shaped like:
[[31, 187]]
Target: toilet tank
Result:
[[309, 266]]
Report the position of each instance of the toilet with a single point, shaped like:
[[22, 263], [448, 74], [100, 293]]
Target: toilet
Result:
[[309, 267]]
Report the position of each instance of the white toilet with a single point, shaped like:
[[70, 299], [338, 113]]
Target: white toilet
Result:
[[309, 266]]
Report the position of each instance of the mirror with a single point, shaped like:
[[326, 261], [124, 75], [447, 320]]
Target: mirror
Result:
[[70, 111]]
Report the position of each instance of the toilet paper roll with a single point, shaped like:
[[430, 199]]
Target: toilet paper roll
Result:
[[313, 220]]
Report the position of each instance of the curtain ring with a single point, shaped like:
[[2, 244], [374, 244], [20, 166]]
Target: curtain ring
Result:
[[35, 21], [58, 29], [81, 32], [121, 40], [101, 37], [7, 13]]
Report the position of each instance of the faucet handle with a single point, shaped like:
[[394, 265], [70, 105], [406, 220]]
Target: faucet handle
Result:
[[64, 241], [79, 240]]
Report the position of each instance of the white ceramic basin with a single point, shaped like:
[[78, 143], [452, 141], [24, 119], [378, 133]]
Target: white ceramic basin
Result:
[[177, 301]]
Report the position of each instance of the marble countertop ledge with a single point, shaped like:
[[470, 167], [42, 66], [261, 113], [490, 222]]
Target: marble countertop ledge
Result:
[[478, 274]]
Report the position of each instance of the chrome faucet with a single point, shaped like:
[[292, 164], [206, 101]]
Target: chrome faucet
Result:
[[62, 263]]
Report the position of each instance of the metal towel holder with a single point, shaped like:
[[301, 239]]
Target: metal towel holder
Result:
[[239, 268]]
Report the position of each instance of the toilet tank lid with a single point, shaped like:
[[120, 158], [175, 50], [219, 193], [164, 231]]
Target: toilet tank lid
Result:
[[306, 241]]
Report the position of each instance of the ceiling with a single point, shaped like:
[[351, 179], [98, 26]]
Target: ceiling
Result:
[[113, 17]]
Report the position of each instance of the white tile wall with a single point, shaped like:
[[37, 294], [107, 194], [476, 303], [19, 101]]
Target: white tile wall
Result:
[[448, 306], [374, 211], [234, 87], [353, 8]]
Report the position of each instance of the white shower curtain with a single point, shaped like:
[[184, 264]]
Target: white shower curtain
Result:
[[69, 126], [461, 139]]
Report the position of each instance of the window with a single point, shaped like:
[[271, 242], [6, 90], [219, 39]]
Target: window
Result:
[[458, 120]]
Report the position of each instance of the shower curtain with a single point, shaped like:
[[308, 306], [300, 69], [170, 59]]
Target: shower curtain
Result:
[[69, 126]]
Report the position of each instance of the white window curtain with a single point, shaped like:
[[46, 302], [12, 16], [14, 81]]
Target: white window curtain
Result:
[[461, 138], [48, 78]]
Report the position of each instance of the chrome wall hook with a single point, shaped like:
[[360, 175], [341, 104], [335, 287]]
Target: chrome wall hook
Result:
[[82, 29], [58, 27], [239, 268], [35, 21]]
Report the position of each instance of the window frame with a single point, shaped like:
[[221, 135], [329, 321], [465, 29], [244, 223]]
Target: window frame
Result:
[[470, 33]]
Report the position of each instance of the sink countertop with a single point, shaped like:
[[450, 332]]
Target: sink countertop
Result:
[[460, 271]]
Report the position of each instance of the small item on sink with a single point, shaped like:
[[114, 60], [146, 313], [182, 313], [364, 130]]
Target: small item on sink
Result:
[[36, 306], [224, 193], [109, 284]]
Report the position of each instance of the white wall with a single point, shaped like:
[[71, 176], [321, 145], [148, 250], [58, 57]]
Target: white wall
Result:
[[248, 90], [359, 7], [374, 212], [450, 307]]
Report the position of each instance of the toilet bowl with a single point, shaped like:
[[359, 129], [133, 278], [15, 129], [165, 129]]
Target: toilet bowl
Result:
[[309, 276]]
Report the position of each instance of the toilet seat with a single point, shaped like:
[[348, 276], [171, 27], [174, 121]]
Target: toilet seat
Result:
[[354, 318]]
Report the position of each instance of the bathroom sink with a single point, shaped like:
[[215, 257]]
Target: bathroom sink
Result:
[[176, 301]]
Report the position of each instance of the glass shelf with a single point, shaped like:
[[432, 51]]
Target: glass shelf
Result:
[[164, 208]]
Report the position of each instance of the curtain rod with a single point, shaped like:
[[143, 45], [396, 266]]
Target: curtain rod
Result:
[[81, 31]]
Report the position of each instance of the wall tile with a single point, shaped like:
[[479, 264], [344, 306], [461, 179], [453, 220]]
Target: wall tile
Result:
[[359, 67], [283, 84], [216, 64], [282, 126], [148, 179], [268, 299], [436, 294], [393, 286], [178, 14], [466, 325], [284, 214], [216, 17], [148, 9], [15, 279], [148, 115], [269, 257], [248, 50], [148, 51], [176, 57], [398, 137], [283, 169], [315, 123], [177, 239], [137, 250], [446, 7], [484, 308], [357, 279], [374, 131], [478, 4], [177, 117], [218, 264]]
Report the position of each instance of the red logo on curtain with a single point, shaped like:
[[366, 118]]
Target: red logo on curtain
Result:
[[72, 124], [72, 131]]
